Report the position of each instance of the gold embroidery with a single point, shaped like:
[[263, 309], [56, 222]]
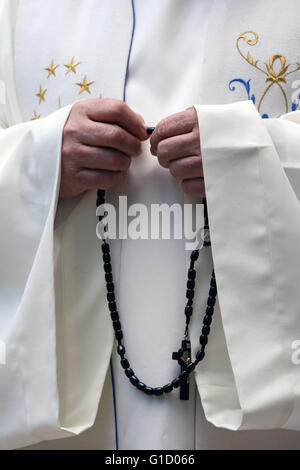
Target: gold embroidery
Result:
[[273, 78], [51, 69], [72, 66], [85, 85], [35, 116], [41, 94]]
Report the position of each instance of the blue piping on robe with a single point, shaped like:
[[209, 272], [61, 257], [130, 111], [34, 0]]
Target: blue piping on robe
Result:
[[124, 99]]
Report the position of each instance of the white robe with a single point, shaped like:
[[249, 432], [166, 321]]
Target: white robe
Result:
[[54, 319]]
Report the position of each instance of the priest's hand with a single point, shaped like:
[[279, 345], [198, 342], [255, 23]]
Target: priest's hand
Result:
[[176, 143], [99, 140]]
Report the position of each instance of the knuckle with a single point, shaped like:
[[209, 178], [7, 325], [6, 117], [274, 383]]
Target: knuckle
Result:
[[79, 106], [116, 134], [162, 150], [176, 170], [69, 149], [162, 129], [119, 108], [70, 131], [163, 163]]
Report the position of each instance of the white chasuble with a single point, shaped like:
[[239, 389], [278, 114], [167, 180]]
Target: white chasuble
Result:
[[237, 63]]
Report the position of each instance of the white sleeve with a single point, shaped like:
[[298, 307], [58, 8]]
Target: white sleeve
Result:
[[54, 349], [29, 185], [252, 176]]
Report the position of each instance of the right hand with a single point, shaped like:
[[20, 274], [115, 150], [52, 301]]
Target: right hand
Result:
[[99, 140]]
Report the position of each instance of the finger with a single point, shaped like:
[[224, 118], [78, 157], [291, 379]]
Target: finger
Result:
[[187, 168], [178, 124], [100, 179], [116, 112], [101, 158], [108, 135], [178, 147], [194, 187]]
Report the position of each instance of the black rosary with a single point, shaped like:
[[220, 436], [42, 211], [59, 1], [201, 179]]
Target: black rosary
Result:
[[183, 355]]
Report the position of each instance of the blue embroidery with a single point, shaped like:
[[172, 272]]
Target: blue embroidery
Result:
[[246, 85], [247, 88], [295, 103]]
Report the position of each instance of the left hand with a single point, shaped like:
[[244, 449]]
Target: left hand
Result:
[[176, 143]]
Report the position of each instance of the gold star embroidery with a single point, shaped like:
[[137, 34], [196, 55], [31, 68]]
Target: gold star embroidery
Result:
[[85, 85], [71, 66], [41, 94], [52, 69], [35, 116]]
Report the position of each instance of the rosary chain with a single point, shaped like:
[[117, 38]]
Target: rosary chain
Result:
[[190, 293]]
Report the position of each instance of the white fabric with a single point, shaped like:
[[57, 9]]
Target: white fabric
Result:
[[253, 256], [52, 384]]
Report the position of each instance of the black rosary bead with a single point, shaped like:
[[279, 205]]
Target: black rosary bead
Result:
[[121, 350], [112, 306], [176, 382], [212, 292], [125, 364], [119, 335], [110, 287], [141, 386], [107, 268], [105, 248], [186, 367], [150, 130], [190, 367], [211, 301], [190, 294], [206, 330], [207, 320], [195, 255], [117, 325], [129, 373], [115, 316], [100, 202], [111, 297], [192, 274], [188, 310], [106, 258], [209, 310], [108, 278], [168, 388], [200, 356], [134, 380]]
